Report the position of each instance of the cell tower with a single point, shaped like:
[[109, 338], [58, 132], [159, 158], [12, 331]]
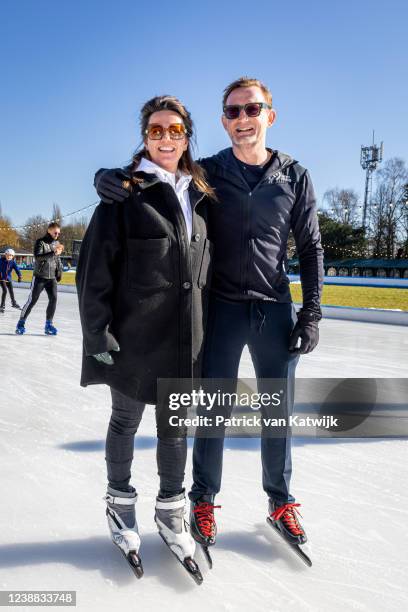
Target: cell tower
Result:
[[369, 158]]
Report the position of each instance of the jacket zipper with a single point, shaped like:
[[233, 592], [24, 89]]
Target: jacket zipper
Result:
[[248, 242]]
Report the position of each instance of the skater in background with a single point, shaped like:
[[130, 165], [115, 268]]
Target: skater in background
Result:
[[142, 280], [263, 194], [7, 265], [46, 274]]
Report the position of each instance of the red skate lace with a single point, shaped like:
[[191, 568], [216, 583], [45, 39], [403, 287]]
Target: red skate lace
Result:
[[289, 518], [205, 518]]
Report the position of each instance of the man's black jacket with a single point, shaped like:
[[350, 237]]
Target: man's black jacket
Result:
[[250, 230]]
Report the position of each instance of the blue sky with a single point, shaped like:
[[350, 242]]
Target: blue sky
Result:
[[74, 74]]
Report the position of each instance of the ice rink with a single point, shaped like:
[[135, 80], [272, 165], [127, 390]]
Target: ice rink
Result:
[[53, 527]]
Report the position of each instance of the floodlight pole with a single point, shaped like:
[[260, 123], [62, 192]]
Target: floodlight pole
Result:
[[369, 158]]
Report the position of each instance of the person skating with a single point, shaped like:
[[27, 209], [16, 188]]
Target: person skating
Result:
[[263, 194], [143, 283], [7, 265], [46, 274]]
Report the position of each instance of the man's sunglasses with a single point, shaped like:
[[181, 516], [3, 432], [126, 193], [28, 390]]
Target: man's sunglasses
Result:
[[155, 131], [252, 109]]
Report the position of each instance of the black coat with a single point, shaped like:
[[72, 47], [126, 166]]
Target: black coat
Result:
[[140, 282]]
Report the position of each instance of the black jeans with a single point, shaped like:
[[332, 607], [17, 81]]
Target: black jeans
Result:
[[4, 286], [265, 327], [37, 286], [171, 453]]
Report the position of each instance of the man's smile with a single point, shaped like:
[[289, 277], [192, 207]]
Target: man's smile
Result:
[[246, 130]]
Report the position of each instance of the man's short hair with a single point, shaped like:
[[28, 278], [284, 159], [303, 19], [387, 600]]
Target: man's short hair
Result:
[[247, 82], [54, 224]]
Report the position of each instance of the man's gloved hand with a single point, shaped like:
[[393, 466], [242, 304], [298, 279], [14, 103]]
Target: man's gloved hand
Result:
[[19, 279], [106, 357], [307, 329], [112, 185]]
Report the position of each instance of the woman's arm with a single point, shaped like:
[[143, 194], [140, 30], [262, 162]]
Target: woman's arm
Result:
[[96, 269]]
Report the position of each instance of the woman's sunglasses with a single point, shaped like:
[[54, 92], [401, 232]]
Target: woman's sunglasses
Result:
[[155, 131], [252, 109]]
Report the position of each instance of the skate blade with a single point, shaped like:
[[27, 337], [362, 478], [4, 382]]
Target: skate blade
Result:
[[133, 560], [295, 547], [135, 563], [193, 569], [207, 555], [189, 564]]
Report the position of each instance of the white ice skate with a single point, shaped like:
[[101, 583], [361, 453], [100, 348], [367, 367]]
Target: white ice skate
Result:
[[120, 512], [169, 518]]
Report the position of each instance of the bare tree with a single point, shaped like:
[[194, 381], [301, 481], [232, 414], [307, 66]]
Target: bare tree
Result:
[[342, 205], [73, 231], [36, 226], [56, 213], [404, 223], [388, 216]]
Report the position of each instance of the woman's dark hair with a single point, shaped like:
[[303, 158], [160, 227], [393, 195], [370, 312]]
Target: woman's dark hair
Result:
[[186, 162]]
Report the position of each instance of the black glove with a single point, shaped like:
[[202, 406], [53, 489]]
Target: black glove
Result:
[[307, 329], [19, 279], [109, 185]]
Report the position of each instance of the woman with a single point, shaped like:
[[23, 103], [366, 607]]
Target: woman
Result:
[[7, 265], [143, 281]]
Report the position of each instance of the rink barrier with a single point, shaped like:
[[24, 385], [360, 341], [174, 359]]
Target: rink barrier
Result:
[[346, 313]]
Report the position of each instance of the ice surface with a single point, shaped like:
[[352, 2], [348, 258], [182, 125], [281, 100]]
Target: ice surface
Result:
[[53, 527]]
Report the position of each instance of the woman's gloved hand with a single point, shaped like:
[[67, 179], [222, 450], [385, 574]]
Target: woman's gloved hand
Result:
[[106, 358]]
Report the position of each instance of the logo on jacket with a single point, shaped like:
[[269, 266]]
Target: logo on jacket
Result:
[[278, 177]]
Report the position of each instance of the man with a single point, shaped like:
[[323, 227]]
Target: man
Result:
[[46, 274], [262, 195]]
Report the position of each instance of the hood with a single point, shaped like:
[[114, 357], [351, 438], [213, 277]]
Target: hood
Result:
[[223, 163]]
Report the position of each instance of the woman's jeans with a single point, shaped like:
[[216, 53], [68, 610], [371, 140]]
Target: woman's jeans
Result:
[[171, 453]]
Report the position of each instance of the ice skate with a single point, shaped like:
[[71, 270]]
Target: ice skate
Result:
[[120, 512]]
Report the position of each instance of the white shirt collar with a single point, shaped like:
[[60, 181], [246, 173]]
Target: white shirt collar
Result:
[[178, 181]]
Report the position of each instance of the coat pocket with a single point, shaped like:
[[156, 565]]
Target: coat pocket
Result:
[[204, 275], [149, 263]]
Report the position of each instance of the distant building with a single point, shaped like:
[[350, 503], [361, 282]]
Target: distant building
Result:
[[377, 268]]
